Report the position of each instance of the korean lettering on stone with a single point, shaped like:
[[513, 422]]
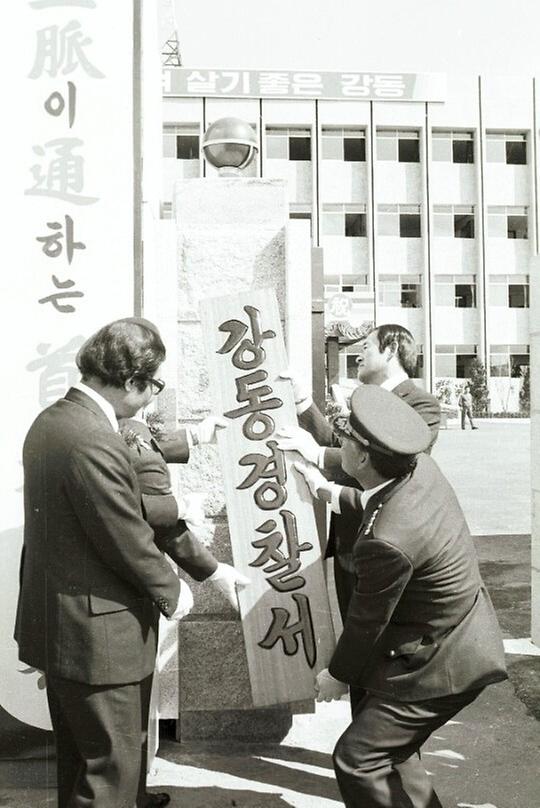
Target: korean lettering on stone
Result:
[[59, 171], [279, 548]]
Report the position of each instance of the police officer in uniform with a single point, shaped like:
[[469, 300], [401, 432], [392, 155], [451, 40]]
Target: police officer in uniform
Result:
[[420, 636]]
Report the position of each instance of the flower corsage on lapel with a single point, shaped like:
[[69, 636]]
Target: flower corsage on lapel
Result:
[[134, 440]]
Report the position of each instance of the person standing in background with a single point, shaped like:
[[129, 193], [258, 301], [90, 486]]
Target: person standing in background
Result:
[[465, 404]]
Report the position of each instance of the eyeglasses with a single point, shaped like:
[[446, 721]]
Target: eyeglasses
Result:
[[157, 384]]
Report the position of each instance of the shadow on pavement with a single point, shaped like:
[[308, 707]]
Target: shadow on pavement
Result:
[[248, 765], [214, 797]]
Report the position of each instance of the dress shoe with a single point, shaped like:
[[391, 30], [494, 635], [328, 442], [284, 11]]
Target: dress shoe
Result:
[[157, 800]]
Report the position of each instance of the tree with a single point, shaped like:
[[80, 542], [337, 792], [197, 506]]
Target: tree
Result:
[[525, 392], [445, 391], [478, 387]]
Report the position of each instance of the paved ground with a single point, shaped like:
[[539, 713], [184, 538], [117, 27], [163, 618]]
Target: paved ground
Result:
[[488, 758], [490, 470]]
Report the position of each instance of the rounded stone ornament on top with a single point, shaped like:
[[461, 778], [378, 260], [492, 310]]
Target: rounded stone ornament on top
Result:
[[229, 144]]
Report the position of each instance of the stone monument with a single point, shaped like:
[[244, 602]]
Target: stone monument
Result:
[[231, 237]]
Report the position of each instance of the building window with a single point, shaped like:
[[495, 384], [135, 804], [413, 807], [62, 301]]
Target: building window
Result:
[[411, 295], [509, 148], [352, 367], [354, 149], [299, 148], [187, 147], [288, 144], [345, 283], [508, 360], [465, 295], [518, 296], [354, 283], [517, 226], [403, 291], [409, 225], [510, 291], [355, 225], [181, 142], [506, 221], [457, 291], [454, 361], [453, 147], [299, 211], [453, 220], [419, 372], [348, 145], [399, 220], [344, 220], [398, 146], [332, 285], [463, 225]]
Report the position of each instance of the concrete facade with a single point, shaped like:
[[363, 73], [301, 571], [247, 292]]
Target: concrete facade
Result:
[[427, 212]]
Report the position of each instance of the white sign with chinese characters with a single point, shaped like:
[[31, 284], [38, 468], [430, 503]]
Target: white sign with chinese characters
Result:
[[70, 260], [351, 86], [285, 612]]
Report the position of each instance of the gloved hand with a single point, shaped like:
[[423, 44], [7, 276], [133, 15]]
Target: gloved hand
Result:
[[205, 432], [294, 438], [327, 688], [316, 482], [228, 580], [185, 602], [301, 391], [191, 510]]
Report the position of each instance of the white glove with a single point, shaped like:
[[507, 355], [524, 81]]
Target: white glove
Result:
[[327, 688], [228, 580], [296, 439], [301, 391], [205, 432], [191, 510], [317, 484], [185, 602]]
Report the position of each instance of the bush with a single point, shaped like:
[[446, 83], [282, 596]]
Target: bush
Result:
[[444, 391], [525, 393], [478, 388], [508, 415]]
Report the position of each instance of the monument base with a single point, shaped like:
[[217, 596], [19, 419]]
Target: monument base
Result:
[[263, 725]]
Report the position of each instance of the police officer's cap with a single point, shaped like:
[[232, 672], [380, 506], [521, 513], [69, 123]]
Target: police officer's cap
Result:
[[383, 421]]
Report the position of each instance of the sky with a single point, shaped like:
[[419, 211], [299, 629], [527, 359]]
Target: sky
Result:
[[448, 36]]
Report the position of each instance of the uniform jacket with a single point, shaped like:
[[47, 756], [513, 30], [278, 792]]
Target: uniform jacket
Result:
[[149, 458], [342, 533], [420, 623], [92, 579]]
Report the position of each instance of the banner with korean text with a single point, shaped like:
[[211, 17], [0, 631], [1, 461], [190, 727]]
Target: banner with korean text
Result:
[[68, 268], [361, 85], [285, 612]]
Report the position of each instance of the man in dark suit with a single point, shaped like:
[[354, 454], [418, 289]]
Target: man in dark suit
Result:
[[387, 357], [420, 636], [169, 518], [93, 580]]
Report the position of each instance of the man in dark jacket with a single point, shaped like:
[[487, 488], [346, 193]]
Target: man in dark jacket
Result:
[[170, 519], [387, 357], [93, 580], [420, 637]]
